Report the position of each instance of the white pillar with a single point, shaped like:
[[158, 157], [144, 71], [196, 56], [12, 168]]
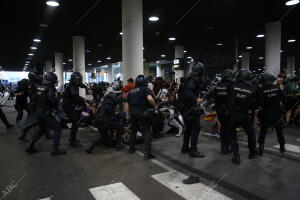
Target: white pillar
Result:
[[59, 70], [79, 59], [132, 38], [159, 70], [110, 73], [245, 60], [291, 65], [273, 47], [179, 54], [48, 66]]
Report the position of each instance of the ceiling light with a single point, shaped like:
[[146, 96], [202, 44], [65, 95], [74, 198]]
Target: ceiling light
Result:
[[143, 48], [64, 63], [163, 55], [172, 38], [27, 62], [291, 40], [260, 36], [33, 48], [89, 64], [99, 61], [70, 60], [292, 2], [153, 19], [219, 44], [261, 58], [240, 56], [281, 51], [184, 51], [30, 54], [249, 48], [52, 3], [108, 58], [121, 33], [189, 57], [29, 58], [88, 51], [36, 40]]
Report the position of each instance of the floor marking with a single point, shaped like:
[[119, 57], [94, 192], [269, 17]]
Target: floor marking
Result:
[[48, 198], [290, 147], [173, 181], [93, 128], [113, 192]]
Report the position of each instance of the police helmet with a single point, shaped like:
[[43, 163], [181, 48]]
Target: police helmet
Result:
[[227, 75], [76, 78], [244, 75], [198, 69], [140, 80], [50, 78], [32, 76], [23, 83], [267, 79]]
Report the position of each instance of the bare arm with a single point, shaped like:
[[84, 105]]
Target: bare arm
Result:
[[151, 101]]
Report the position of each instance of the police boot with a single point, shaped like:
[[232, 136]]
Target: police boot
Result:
[[282, 148], [236, 159], [56, 151], [30, 149], [185, 149], [225, 149], [194, 153], [261, 149]]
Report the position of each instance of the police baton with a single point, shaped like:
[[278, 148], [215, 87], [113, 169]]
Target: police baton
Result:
[[285, 114]]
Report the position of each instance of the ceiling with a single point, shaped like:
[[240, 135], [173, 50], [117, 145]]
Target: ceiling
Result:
[[209, 22]]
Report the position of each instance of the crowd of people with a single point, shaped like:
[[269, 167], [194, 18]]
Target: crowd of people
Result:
[[150, 107]]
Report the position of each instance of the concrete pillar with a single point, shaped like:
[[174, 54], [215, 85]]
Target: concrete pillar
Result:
[[272, 48], [179, 54], [291, 65], [245, 60], [132, 38], [110, 73], [79, 59], [48, 66], [159, 70], [59, 70]]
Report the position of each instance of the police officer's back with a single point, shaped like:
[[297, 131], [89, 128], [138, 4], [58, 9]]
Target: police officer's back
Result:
[[139, 100], [242, 99], [272, 100]]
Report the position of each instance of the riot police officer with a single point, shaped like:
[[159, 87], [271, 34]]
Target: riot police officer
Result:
[[242, 96], [21, 95], [139, 100], [220, 95], [73, 104], [47, 105], [109, 125], [271, 103], [191, 115]]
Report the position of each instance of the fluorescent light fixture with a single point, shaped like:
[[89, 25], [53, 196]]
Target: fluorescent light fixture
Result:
[[163, 55], [30, 54], [121, 33], [153, 19], [260, 36], [143, 48], [219, 44], [36, 40], [70, 60], [240, 56], [259, 69], [99, 61], [291, 40], [29, 58], [64, 63], [184, 51], [27, 62], [281, 51], [89, 64], [52, 3], [261, 58], [189, 57], [292, 2], [108, 58], [249, 48], [172, 38], [88, 51], [33, 48]]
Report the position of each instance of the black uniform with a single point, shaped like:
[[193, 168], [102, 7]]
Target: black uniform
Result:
[[4, 119], [109, 123], [47, 105], [191, 115], [138, 104], [272, 99], [221, 96], [21, 94], [242, 99], [71, 101]]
